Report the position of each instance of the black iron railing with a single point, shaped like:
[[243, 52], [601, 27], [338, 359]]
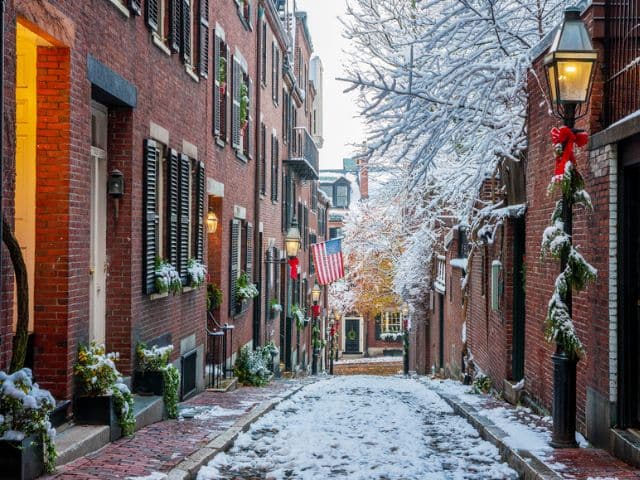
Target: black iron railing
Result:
[[303, 154]]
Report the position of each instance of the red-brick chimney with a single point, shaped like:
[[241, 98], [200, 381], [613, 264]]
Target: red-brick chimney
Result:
[[363, 168]]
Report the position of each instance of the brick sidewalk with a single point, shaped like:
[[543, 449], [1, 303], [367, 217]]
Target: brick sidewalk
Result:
[[162, 446]]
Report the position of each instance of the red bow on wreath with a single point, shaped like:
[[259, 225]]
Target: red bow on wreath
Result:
[[293, 268], [565, 136]]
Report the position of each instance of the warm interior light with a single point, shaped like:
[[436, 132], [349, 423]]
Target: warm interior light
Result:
[[212, 222]]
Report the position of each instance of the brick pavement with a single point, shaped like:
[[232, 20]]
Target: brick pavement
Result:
[[380, 368], [162, 446]]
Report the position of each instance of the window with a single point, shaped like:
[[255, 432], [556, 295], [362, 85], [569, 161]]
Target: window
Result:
[[174, 210], [312, 241], [220, 92], [341, 198], [389, 326], [241, 261], [322, 226], [314, 196], [335, 232], [464, 246], [275, 72], [275, 165], [286, 105], [241, 106], [263, 55], [263, 159], [245, 11], [272, 291]]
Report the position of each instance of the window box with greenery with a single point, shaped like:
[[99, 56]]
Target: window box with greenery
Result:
[[167, 278], [214, 297], [222, 76], [104, 399], [26, 438], [197, 272], [275, 308], [244, 107], [245, 288], [157, 376]]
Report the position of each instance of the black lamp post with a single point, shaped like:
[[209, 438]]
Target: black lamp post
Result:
[[315, 337], [405, 338], [569, 70], [332, 331]]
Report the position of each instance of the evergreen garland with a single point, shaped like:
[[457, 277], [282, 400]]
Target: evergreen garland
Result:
[[557, 243], [171, 378]]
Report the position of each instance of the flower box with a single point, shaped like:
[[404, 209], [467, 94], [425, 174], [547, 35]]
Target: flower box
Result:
[[98, 410], [22, 459], [148, 382]]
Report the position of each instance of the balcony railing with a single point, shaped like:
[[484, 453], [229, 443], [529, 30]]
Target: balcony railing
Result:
[[440, 283], [303, 155]]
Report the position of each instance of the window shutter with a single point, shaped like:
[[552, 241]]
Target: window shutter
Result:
[[233, 266], [250, 127], [200, 197], [262, 155], [151, 215], [135, 6], [183, 237], [286, 208], [312, 241], [186, 31], [216, 83], [174, 25], [273, 71], [249, 252], [306, 227], [378, 326], [277, 74], [173, 196], [153, 14], [203, 62], [235, 106], [263, 57]]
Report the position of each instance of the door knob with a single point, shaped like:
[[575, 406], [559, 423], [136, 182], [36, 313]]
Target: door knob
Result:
[[91, 270]]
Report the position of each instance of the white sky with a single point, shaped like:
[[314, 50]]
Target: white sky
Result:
[[341, 128]]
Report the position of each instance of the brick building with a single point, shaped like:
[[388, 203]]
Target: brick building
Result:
[[204, 111]]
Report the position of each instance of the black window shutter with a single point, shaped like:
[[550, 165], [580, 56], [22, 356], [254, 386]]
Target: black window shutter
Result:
[[249, 253], [200, 197], [174, 25], [216, 82], [235, 106], [262, 157], [277, 74], [183, 227], [378, 326], [151, 215], [233, 266], [250, 126], [277, 168], [203, 35], [274, 177], [186, 31], [153, 14], [286, 210], [263, 57], [135, 6], [173, 206], [273, 71], [306, 227]]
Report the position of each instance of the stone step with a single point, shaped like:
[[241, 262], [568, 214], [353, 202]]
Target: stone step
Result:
[[75, 441], [226, 385]]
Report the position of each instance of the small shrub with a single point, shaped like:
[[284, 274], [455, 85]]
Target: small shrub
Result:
[[481, 384], [251, 366]]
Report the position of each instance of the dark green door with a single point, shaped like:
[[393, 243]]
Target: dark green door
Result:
[[517, 360], [352, 336]]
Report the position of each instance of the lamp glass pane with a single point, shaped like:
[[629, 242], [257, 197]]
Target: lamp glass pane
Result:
[[573, 80], [551, 75]]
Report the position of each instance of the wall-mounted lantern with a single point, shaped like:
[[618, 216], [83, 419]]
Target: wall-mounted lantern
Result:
[[115, 188], [212, 222]]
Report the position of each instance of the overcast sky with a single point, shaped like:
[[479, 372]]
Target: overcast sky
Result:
[[340, 127]]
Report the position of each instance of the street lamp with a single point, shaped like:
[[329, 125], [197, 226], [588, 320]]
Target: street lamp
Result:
[[405, 340], [293, 239], [569, 68], [315, 296]]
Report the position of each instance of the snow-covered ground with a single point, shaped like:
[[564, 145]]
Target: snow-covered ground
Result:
[[360, 427], [395, 359]]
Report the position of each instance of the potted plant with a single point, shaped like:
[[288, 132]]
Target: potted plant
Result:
[[275, 307], [222, 76], [157, 376], [251, 367], [298, 314], [104, 399], [214, 297], [26, 438], [246, 290], [244, 107], [197, 272], [167, 277]]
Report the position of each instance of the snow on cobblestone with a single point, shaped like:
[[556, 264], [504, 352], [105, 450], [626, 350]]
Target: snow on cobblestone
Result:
[[360, 427]]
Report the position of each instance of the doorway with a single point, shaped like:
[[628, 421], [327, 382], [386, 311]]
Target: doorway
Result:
[[98, 264], [352, 335], [517, 341], [441, 330], [629, 287]]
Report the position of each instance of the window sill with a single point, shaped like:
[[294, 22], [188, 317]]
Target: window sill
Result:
[[157, 41], [121, 8], [275, 202], [191, 73], [241, 157], [220, 142], [156, 296]]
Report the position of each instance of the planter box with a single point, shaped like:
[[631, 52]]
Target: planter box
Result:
[[97, 411], [148, 383], [21, 460]]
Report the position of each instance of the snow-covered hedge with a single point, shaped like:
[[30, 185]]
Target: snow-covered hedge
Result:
[[197, 272], [167, 277]]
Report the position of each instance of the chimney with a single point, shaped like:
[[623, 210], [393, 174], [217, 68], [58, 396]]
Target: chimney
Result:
[[363, 173]]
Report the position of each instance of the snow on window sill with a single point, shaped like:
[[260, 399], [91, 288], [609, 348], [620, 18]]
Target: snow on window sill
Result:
[[191, 73], [160, 44], [122, 8], [156, 296]]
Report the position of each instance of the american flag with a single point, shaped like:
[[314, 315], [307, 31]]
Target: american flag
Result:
[[327, 257]]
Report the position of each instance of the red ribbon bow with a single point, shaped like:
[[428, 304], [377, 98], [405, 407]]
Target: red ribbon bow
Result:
[[568, 139], [293, 268], [315, 310]]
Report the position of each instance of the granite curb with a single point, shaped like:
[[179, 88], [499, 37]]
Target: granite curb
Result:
[[188, 468], [525, 462]]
